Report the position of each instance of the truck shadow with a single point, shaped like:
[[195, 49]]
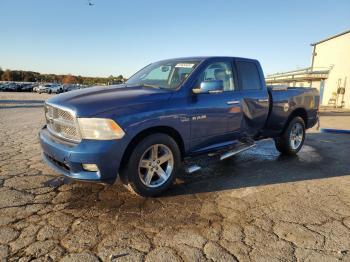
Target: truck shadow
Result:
[[323, 156]]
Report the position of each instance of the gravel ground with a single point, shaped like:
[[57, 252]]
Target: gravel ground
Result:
[[257, 206]]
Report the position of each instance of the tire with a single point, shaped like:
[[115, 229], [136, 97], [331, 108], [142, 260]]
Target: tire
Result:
[[293, 137], [147, 177]]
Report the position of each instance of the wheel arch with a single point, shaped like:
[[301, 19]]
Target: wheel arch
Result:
[[170, 131], [301, 112]]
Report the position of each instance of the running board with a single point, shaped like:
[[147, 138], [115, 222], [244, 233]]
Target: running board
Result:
[[236, 151], [191, 169]]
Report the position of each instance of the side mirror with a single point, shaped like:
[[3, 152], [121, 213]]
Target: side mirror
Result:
[[210, 87]]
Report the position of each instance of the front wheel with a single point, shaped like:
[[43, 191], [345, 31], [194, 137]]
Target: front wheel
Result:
[[292, 139], [153, 165]]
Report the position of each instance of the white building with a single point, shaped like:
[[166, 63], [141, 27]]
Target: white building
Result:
[[329, 71]]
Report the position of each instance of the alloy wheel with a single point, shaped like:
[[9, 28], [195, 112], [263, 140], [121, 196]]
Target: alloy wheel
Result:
[[156, 165], [296, 136]]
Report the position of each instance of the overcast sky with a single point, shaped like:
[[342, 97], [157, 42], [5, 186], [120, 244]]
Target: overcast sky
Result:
[[118, 37]]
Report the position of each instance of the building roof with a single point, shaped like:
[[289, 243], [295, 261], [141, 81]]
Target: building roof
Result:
[[305, 74], [331, 37]]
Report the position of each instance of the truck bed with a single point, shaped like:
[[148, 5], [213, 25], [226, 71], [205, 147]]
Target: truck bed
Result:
[[284, 101]]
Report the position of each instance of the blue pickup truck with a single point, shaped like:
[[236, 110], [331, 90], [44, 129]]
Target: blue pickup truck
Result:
[[170, 112]]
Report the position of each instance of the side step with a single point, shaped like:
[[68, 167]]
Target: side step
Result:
[[194, 165], [236, 151], [191, 169]]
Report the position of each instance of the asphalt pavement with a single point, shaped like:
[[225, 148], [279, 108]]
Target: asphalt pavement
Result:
[[257, 206]]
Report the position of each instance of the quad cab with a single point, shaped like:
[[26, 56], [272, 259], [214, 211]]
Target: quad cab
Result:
[[167, 115]]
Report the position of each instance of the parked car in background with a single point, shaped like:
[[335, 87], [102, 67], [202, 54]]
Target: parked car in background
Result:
[[10, 87], [35, 87], [50, 88], [43, 88], [25, 87], [56, 89], [2, 86], [70, 87]]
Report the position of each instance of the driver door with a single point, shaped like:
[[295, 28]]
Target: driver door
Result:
[[211, 113]]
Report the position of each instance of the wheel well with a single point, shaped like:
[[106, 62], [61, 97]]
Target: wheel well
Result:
[[301, 112], [153, 130]]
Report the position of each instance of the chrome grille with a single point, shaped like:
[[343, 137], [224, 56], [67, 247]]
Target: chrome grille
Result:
[[61, 123]]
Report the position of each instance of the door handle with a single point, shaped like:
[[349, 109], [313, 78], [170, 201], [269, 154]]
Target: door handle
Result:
[[263, 100], [234, 102]]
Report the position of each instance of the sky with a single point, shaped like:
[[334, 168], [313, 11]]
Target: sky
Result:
[[115, 37]]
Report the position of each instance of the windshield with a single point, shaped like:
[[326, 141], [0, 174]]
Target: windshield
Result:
[[166, 74]]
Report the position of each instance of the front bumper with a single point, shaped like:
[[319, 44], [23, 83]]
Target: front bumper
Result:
[[67, 158]]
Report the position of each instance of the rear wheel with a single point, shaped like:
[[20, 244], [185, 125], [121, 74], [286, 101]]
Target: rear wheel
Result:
[[153, 165], [292, 139]]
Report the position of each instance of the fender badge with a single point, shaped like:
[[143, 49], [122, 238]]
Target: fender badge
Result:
[[199, 117], [184, 119]]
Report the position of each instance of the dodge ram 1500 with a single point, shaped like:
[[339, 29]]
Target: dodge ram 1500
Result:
[[168, 112]]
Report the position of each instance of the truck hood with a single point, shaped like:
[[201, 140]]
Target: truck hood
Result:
[[93, 101]]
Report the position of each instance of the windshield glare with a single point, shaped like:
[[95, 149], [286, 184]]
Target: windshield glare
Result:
[[168, 74]]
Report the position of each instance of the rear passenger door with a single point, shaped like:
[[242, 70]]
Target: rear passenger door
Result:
[[254, 96]]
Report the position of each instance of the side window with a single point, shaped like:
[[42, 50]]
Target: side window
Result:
[[179, 75], [249, 75], [219, 71], [184, 73]]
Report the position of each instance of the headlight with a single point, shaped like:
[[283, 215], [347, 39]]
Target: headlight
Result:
[[99, 129]]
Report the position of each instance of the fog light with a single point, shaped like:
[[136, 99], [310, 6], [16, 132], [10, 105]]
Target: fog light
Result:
[[90, 167]]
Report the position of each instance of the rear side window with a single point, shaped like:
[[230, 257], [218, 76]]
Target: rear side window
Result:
[[249, 75]]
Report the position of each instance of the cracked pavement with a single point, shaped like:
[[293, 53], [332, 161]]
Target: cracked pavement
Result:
[[257, 206]]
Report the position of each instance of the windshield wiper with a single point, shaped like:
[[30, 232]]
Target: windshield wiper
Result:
[[153, 86], [148, 85]]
